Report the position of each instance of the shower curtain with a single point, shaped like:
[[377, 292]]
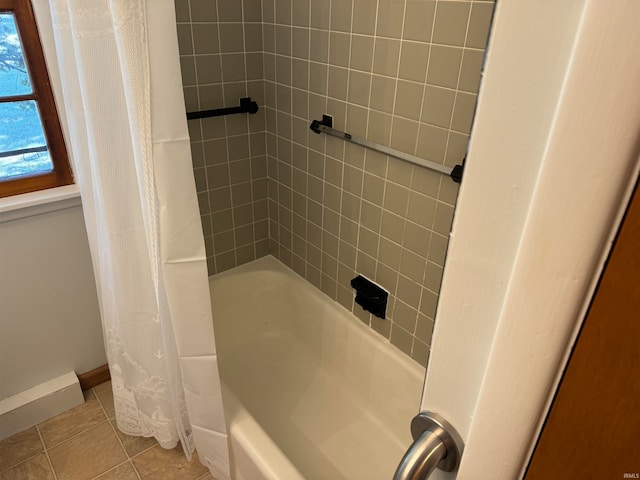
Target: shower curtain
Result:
[[129, 142]]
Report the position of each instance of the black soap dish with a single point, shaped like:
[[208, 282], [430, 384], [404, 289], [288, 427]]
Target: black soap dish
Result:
[[370, 296]]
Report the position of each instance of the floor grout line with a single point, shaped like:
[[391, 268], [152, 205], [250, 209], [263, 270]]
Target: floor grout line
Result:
[[46, 453], [135, 469], [97, 477], [21, 461], [114, 428]]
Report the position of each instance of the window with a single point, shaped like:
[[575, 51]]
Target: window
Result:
[[32, 150]]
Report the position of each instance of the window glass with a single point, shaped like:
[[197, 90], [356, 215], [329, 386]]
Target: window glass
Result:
[[14, 77], [23, 148]]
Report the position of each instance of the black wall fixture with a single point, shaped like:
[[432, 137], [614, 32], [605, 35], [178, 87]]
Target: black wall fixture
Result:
[[370, 296], [246, 106]]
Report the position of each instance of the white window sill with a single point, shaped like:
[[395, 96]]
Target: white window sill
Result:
[[37, 203]]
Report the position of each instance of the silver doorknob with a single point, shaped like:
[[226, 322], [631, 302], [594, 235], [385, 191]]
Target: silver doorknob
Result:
[[436, 444]]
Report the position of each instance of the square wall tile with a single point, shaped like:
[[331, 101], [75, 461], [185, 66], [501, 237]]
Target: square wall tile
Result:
[[379, 127], [432, 143], [418, 20], [283, 12], [408, 101], [231, 37], [438, 106], [390, 17], [233, 67], [404, 134], [444, 66], [450, 26], [479, 24], [359, 88], [283, 40], [400, 171], [320, 14], [361, 52], [230, 10], [208, 69], [471, 70], [252, 10], [253, 37], [364, 17], [386, 55], [300, 42], [341, 15], [463, 112], [383, 93], [338, 82], [203, 10], [205, 38], [413, 61], [401, 339], [300, 13], [339, 49], [424, 328]]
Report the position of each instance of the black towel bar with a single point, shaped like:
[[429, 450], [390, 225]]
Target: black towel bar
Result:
[[246, 106]]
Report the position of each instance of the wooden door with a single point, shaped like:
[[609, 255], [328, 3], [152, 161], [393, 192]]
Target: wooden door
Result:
[[593, 428]]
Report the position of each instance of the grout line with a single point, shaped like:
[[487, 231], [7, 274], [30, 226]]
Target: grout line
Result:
[[25, 459], [46, 452], [97, 477], [344, 149], [104, 410], [66, 440], [215, 257], [129, 457]]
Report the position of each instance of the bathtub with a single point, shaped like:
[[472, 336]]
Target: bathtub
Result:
[[309, 391]]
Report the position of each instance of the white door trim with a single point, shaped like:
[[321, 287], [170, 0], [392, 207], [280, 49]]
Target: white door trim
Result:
[[552, 159]]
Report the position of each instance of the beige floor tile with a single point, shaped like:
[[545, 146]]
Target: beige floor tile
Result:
[[36, 468], [121, 472], [105, 395], [72, 422], [87, 455], [161, 464], [134, 445], [19, 447], [207, 477]]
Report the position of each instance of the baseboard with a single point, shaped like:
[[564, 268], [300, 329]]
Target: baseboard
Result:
[[94, 377], [26, 409]]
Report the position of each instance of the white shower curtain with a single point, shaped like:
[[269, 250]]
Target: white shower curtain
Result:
[[128, 137]]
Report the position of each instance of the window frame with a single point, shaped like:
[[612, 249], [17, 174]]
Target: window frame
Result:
[[42, 94]]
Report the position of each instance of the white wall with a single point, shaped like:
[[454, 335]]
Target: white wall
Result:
[[49, 316]]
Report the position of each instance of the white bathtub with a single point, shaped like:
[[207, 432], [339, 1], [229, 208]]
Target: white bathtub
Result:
[[309, 391]]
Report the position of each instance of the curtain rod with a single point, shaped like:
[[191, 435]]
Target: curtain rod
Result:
[[326, 126], [246, 106]]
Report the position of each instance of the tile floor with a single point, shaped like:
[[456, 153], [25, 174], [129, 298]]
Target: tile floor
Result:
[[85, 444]]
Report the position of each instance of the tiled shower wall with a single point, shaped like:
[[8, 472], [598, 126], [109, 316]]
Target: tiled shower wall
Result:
[[221, 59], [403, 73]]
